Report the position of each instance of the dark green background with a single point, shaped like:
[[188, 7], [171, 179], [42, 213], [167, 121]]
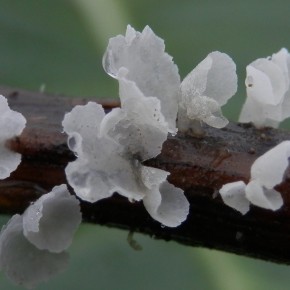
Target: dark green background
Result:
[[58, 45]]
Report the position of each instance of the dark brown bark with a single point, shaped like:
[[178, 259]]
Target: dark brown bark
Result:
[[200, 166]]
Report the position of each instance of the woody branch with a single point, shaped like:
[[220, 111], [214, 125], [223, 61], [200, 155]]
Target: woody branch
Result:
[[200, 166]]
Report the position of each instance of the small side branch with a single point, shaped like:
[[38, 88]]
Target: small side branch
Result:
[[200, 166]]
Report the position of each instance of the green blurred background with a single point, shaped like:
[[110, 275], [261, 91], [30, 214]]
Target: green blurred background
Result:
[[57, 45]]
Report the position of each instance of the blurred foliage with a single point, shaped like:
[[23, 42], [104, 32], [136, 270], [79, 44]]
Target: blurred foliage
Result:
[[58, 44]]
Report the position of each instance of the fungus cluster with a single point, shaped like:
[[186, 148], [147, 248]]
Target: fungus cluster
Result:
[[110, 148], [266, 172]]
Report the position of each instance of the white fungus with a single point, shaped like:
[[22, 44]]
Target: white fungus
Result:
[[139, 126], [110, 150], [266, 172], [233, 195], [149, 67], [50, 222], [198, 98], [22, 262], [206, 89], [268, 94], [164, 202], [101, 168], [11, 124], [32, 245]]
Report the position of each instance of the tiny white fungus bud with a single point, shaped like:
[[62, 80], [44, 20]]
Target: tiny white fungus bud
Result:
[[268, 91], [233, 195]]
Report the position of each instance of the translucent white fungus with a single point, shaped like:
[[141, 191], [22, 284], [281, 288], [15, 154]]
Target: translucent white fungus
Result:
[[199, 97], [205, 89], [263, 197], [266, 172], [22, 262], [50, 222], [93, 180], [233, 195], [164, 202], [111, 148], [149, 67], [268, 94], [11, 124], [270, 167], [139, 125], [110, 152], [102, 167]]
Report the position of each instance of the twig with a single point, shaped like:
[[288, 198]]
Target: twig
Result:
[[200, 166]]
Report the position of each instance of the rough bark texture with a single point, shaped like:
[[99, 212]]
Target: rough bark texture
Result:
[[200, 166]]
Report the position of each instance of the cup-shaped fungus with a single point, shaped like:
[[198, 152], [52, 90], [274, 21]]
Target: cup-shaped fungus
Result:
[[268, 94], [197, 99]]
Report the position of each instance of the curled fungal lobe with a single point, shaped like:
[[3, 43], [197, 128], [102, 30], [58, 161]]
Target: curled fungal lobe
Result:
[[22, 262], [50, 222], [205, 89], [266, 172], [268, 91], [11, 124], [109, 158], [148, 66]]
